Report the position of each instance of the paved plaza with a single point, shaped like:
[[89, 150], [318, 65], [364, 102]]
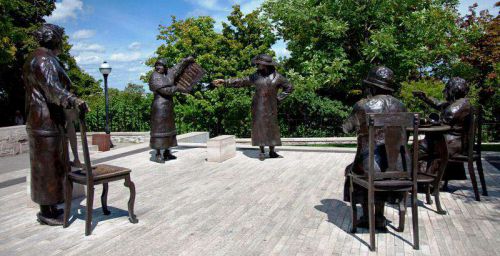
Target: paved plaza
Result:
[[243, 206]]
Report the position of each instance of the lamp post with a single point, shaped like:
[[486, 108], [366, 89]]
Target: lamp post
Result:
[[105, 69]]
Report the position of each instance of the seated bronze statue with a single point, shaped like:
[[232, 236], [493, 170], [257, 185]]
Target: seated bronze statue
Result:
[[455, 111], [47, 97], [379, 100], [162, 84]]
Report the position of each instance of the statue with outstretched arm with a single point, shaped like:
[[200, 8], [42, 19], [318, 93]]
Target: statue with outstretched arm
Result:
[[267, 83], [455, 111]]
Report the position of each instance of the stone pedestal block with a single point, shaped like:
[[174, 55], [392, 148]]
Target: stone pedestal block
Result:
[[221, 148], [78, 192], [103, 141]]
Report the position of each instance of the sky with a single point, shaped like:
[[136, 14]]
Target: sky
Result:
[[123, 32]]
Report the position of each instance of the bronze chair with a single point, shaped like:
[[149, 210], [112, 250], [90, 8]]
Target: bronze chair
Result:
[[473, 152], [393, 127], [90, 176]]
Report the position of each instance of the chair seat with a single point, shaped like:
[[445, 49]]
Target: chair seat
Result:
[[101, 171], [424, 178], [463, 158], [393, 184]]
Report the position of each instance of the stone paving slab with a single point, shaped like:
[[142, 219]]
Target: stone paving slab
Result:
[[243, 206]]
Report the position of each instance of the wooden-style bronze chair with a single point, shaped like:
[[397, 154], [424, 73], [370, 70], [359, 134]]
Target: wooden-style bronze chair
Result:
[[392, 127], [473, 152], [90, 176]]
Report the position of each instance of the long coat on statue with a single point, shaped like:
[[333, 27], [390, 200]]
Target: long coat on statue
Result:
[[357, 122], [47, 96], [163, 131], [265, 127]]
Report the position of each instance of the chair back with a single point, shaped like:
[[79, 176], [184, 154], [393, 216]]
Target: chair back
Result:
[[86, 155], [478, 122], [392, 129]]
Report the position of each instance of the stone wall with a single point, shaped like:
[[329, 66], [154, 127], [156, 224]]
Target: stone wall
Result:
[[13, 140]]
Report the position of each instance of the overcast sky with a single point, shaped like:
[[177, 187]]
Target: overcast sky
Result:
[[124, 32]]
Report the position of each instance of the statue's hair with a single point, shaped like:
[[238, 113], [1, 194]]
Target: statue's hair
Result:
[[161, 61], [458, 87], [49, 35]]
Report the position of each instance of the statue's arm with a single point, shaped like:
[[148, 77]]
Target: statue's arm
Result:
[[176, 70], [239, 82], [352, 122], [163, 85], [55, 92], [287, 88]]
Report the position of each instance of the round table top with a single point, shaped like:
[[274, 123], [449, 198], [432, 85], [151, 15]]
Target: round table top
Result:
[[435, 128]]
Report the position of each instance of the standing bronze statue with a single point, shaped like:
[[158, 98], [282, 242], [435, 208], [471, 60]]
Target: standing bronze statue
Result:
[[455, 111], [267, 82], [378, 100], [162, 84], [47, 97]]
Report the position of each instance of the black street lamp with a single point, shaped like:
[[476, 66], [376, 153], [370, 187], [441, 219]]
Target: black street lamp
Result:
[[105, 69]]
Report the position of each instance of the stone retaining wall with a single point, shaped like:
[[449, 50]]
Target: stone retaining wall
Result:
[[13, 140]]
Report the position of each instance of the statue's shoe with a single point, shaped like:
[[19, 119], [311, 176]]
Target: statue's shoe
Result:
[[58, 221], [380, 224], [262, 156], [169, 157], [273, 154]]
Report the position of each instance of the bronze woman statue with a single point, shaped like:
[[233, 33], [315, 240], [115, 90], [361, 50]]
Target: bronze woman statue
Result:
[[455, 111], [162, 84], [378, 100], [267, 82], [47, 97]]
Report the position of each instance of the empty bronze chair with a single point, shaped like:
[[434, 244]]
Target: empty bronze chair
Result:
[[473, 145], [398, 173], [90, 176]]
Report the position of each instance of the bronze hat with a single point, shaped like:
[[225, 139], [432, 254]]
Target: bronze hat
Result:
[[264, 59], [381, 77]]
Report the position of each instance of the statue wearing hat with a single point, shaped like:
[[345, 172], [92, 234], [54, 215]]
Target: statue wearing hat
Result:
[[47, 97], [162, 84], [267, 82], [379, 100], [455, 111]]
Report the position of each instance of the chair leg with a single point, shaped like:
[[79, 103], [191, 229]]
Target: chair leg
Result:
[[414, 218], [479, 165], [68, 197], [438, 201], [371, 218], [428, 194], [131, 216], [470, 167], [90, 202], [354, 213], [402, 213], [104, 199]]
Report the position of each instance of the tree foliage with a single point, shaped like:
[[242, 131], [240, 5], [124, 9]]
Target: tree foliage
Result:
[[18, 20], [333, 44]]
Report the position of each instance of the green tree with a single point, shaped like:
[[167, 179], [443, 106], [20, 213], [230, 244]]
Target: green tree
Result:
[[222, 54], [333, 44], [18, 20]]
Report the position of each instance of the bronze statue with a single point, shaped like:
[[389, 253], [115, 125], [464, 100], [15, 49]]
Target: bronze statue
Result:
[[47, 97], [267, 82], [455, 111], [162, 84], [378, 100]]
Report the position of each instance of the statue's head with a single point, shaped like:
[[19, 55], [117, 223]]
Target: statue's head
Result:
[[50, 36], [380, 78], [455, 89], [161, 66], [264, 62]]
